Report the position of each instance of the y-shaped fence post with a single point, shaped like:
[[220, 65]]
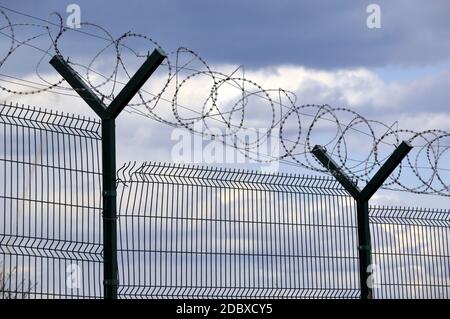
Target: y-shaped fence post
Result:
[[108, 116], [362, 203]]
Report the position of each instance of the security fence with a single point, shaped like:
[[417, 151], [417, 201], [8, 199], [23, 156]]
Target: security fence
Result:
[[193, 232], [50, 205], [199, 232], [411, 252]]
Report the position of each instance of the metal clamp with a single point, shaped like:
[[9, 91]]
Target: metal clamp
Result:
[[111, 282], [109, 218], [112, 193]]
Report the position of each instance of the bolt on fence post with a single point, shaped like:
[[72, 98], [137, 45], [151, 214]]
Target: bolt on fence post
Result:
[[108, 116], [362, 198]]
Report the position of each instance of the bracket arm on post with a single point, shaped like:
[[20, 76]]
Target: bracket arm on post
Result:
[[321, 154], [135, 83], [78, 85], [385, 170]]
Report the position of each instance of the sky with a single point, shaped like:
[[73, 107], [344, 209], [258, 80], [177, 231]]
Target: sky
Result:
[[321, 50]]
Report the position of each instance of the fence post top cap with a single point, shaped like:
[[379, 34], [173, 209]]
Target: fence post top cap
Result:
[[319, 148], [161, 52]]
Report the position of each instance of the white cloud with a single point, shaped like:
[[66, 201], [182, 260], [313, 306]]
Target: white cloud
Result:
[[362, 90]]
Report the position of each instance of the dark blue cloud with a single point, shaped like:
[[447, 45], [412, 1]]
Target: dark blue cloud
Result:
[[319, 34]]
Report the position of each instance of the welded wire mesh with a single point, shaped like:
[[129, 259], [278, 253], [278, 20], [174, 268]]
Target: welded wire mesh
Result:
[[411, 252], [193, 232], [50, 205], [204, 232]]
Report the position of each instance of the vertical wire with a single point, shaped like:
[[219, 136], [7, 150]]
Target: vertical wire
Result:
[[413, 278], [194, 240], [402, 263], [173, 238], [199, 251], [212, 240], [152, 283], [222, 225], [235, 240], [11, 220], [308, 255], [139, 220], [167, 250], [182, 219], [278, 242], [86, 230], [70, 225], [54, 208], [120, 244], [428, 280], [337, 244], [3, 226], [352, 245], [291, 242], [135, 251], [392, 290], [23, 233], [273, 260], [433, 229], [16, 171], [252, 221], [321, 216], [146, 220], [267, 232], [157, 245], [257, 226], [447, 256], [298, 251], [329, 231], [442, 259], [30, 223], [317, 241], [284, 252], [214, 270], [319, 246]]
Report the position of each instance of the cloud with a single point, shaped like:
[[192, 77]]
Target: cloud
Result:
[[360, 89], [319, 34]]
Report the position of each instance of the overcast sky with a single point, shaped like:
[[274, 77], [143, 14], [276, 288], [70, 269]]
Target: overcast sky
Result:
[[318, 34], [321, 50]]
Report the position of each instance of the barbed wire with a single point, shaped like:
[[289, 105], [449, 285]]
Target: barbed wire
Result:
[[230, 108]]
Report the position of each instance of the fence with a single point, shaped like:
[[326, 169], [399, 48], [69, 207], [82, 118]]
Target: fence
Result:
[[50, 204], [193, 232], [198, 232], [412, 251]]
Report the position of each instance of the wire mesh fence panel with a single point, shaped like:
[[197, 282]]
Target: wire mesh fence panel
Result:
[[201, 232], [192, 232], [411, 252], [50, 205]]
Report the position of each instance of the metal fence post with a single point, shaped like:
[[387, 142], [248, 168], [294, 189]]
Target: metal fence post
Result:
[[362, 198], [108, 116], [109, 208], [364, 246]]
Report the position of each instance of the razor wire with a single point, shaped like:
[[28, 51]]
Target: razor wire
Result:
[[231, 105]]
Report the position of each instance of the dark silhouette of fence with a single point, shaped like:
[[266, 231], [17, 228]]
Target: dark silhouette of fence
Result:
[[411, 248], [199, 232], [194, 232], [50, 202]]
